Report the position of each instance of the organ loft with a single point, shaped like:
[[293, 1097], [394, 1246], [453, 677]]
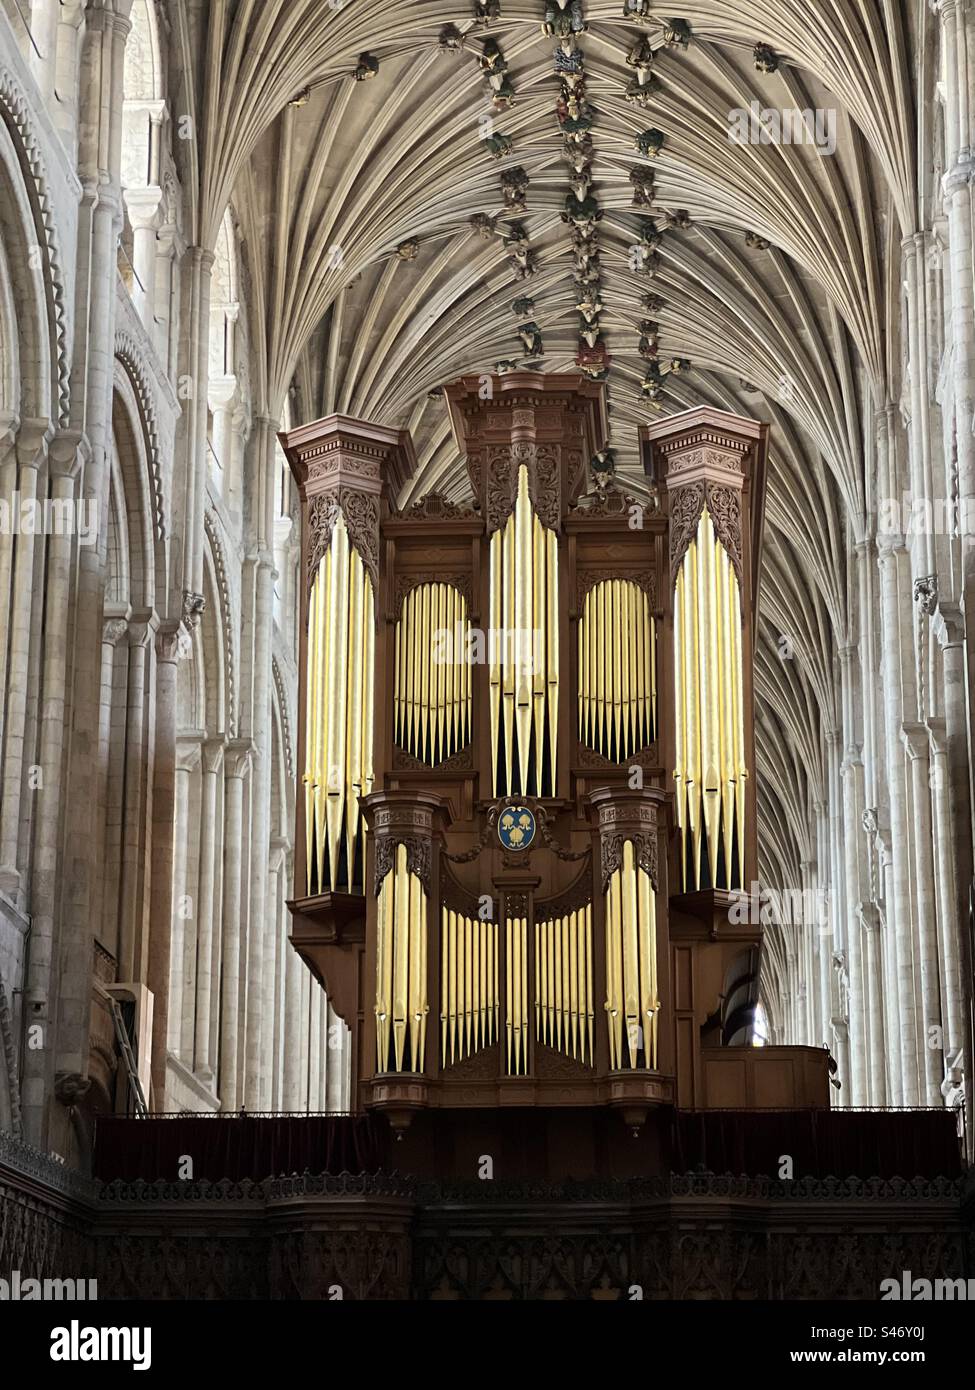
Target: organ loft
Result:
[[526, 825]]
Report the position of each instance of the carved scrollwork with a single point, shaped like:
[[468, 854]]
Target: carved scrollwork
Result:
[[644, 850], [463, 761], [361, 513], [419, 857], [724, 506], [435, 506], [686, 506], [544, 483]]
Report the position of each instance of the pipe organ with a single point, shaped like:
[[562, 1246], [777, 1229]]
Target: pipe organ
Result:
[[526, 734]]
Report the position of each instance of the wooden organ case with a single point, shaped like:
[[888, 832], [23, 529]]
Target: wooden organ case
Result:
[[526, 831]]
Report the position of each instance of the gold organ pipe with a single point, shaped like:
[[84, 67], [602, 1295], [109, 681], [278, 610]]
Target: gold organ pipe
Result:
[[539, 655], [709, 768], [494, 670], [508, 984], [563, 983], [321, 755], [614, 997], [340, 712], [524, 674], [631, 967], [525, 600], [384, 984], [617, 664], [432, 695], [353, 705], [401, 969], [311, 729], [552, 649]]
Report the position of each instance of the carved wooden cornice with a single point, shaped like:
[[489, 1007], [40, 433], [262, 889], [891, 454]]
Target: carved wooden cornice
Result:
[[348, 466]]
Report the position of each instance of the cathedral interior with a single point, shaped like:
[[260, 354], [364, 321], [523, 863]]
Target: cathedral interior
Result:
[[487, 710]]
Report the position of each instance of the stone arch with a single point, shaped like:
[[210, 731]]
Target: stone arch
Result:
[[26, 358], [133, 446], [28, 230]]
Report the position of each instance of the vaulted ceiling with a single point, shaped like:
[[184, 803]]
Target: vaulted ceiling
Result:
[[781, 292]]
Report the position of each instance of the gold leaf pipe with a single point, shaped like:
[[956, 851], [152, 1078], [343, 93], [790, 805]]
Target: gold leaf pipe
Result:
[[444, 983], [590, 1012], [497, 576], [401, 956], [572, 935], [526, 623], [509, 626], [338, 648], [353, 709], [539, 651], [368, 703], [648, 964], [418, 915], [385, 958], [614, 998], [552, 651], [631, 975], [509, 986], [321, 755], [680, 723], [311, 732]]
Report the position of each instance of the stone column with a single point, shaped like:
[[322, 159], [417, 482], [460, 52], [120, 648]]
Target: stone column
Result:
[[850, 774], [188, 751], [143, 206], [951, 976], [898, 900], [31, 448], [295, 971], [916, 743], [275, 897], [950, 630], [194, 434], [171, 646], [870, 918], [43, 52], [211, 865], [93, 366], [237, 766], [66, 457]]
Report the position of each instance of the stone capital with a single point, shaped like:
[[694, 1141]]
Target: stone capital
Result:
[[239, 756], [68, 450], [33, 439], [189, 751], [173, 643], [916, 741], [949, 626], [113, 630], [213, 750]]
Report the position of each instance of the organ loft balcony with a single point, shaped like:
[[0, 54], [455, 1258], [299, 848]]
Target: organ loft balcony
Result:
[[526, 811]]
